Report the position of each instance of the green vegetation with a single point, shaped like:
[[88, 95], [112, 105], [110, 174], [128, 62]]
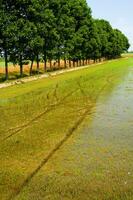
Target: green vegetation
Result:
[[46, 30], [2, 63], [36, 116], [44, 151]]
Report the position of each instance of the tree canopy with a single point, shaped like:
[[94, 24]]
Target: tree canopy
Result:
[[54, 30]]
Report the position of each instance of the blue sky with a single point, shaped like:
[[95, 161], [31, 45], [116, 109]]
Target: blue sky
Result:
[[118, 12]]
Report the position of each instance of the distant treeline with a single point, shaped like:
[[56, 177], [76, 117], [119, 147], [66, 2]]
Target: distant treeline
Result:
[[54, 30]]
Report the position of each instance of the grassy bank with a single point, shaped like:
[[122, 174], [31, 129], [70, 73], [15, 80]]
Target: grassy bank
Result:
[[37, 115]]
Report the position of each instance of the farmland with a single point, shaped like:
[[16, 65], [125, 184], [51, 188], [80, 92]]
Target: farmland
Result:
[[69, 136]]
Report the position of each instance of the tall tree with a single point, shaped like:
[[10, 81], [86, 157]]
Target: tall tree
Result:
[[83, 23], [7, 32], [55, 29]]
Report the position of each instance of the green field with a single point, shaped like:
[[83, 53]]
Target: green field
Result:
[[2, 63], [69, 137]]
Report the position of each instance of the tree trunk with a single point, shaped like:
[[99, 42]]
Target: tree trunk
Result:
[[21, 70], [31, 66], [45, 58], [86, 61], [70, 63], [83, 62], [59, 62], [21, 66], [6, 65], [45, 65], [65, 66], [73, 63], [77, 63], [37, 60], [50, 62], [80, 63]]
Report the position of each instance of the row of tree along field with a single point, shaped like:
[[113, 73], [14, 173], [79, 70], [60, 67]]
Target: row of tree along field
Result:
[[47, 30]]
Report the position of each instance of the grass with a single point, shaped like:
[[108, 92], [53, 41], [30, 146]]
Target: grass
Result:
[[37, 115], [2, 63]]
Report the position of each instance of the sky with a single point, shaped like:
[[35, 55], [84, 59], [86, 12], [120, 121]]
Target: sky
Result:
[[118, 12]]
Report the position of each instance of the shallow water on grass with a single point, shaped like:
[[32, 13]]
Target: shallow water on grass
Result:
[[96, 163], [114, 113]]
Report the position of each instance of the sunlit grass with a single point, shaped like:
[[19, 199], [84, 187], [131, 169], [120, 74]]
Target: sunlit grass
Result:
[[37, 115]]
